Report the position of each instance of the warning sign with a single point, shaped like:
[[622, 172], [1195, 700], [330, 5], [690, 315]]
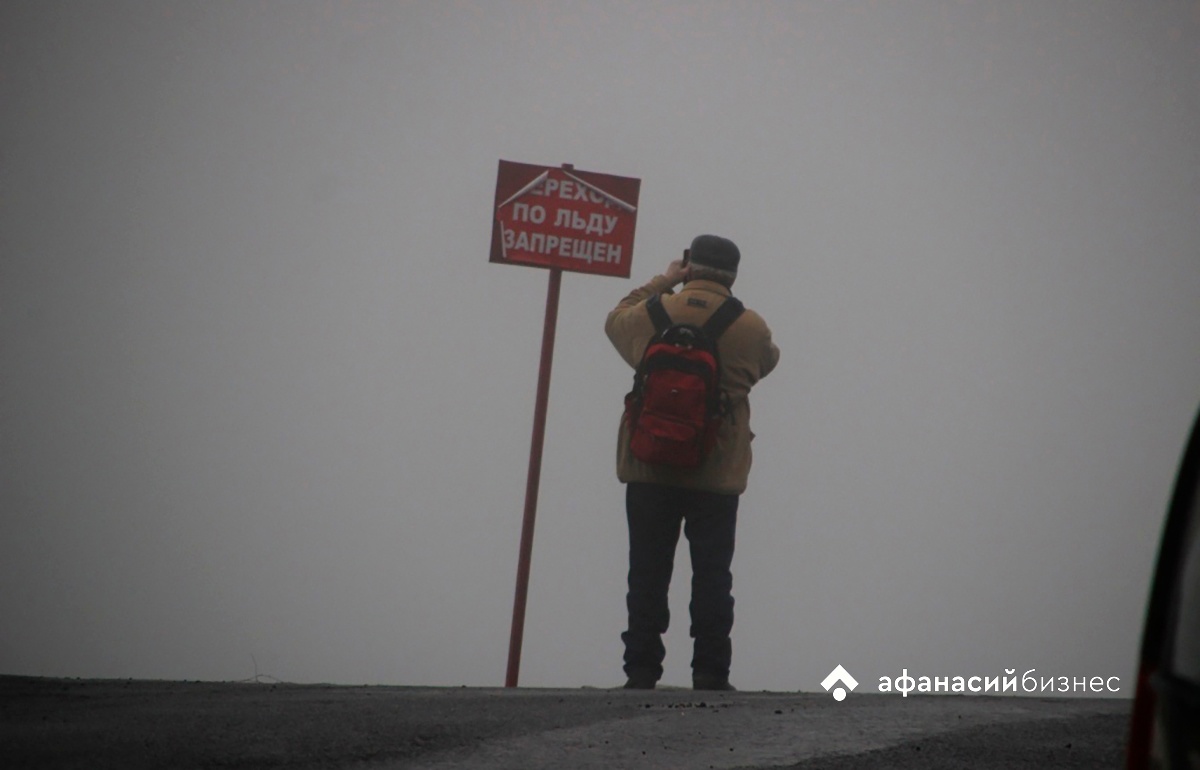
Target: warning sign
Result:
[[547, 216]]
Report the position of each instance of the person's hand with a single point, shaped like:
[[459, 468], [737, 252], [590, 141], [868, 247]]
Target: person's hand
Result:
[[676, 272]]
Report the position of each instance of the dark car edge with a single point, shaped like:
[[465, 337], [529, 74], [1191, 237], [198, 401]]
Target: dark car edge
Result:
[[1165, 726]]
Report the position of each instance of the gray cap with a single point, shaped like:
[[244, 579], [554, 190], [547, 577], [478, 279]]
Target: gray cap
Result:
[[715, 251]]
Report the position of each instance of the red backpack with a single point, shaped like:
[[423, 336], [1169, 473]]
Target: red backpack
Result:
[[675, 406]]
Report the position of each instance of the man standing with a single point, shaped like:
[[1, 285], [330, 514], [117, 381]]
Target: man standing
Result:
[[704, 498]]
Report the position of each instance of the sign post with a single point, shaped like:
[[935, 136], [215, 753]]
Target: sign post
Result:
[[532, 479], [561, 219]]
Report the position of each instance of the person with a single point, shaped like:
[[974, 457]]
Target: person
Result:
[[703, 499]]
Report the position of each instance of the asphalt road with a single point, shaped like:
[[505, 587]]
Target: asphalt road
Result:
[[56, 723]]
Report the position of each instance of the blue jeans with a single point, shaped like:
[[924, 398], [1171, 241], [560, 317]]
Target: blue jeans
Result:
[[655, 513]]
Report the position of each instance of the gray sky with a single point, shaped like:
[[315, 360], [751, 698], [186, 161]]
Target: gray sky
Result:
[[263, 396]]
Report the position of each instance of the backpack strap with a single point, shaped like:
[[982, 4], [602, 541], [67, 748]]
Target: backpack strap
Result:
[[658, 313], [723, 318]]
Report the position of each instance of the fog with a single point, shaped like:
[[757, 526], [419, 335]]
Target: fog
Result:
[[265, 406]]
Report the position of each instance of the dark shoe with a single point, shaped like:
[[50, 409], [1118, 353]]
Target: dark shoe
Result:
[[712, 682], [639, 680]]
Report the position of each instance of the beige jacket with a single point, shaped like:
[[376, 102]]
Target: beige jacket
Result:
[[747, 355]]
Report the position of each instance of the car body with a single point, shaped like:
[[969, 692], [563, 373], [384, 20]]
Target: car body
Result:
[[1165, 728]]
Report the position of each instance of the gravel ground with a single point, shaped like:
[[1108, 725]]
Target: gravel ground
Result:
[[65, 723], [1096, 741]]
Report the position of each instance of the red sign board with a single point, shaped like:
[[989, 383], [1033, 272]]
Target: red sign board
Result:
[[547, 216]]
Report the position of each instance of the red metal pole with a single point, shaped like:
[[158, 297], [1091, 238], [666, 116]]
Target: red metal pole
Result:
[[531, 482]]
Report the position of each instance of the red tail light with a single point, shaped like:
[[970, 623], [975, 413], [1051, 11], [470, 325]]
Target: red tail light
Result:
[[1141, 726]]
